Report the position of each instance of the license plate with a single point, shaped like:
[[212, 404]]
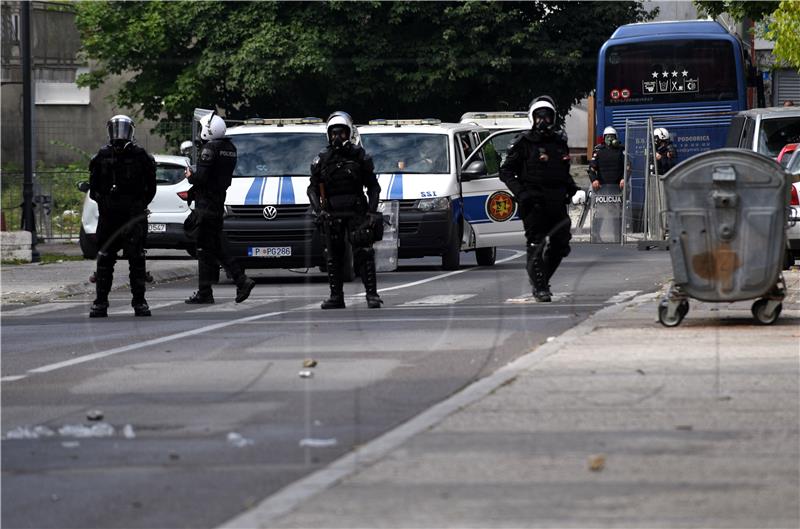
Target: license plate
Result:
[[270, 251], [156, 228]]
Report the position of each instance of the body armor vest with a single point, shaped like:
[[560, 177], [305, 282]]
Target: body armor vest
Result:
[[610, 164]]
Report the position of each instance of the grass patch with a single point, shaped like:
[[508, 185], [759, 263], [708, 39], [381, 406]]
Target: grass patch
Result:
[[46, 258]]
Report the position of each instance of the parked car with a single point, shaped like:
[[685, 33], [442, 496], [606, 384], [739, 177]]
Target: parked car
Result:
[[765, 130], [768, 131], [168, 209], [793, 234], [786, 153]]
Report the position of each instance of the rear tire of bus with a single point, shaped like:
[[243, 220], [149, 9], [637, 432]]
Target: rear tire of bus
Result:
[[486, 256]]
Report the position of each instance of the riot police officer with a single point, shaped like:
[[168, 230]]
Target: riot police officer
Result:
[[666, 153], [536, 171], [122, 180], [210, 182], [339, 175], [607, 165]]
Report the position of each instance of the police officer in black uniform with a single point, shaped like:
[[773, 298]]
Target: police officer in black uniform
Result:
[[122, 180], [210, 182], [666, 153], [607, 165], [339, 175], [536, 171]]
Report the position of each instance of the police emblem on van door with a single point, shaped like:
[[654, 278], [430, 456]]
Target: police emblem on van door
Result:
[[500, 206], [270, 212]]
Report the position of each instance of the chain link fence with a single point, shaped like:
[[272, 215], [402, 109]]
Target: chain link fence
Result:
[[56, 199]]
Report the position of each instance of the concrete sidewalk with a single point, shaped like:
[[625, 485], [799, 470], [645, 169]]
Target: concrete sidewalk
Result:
[[619, 422], [36, 282]]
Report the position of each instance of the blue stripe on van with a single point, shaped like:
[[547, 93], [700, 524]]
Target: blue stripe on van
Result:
[[457, 206], [396, 187], [253, 195], [286, 191]]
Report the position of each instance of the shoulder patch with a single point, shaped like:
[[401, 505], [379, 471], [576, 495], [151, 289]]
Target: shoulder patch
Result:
[[207, 154]]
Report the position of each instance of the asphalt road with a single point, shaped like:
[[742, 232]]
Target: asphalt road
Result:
[[209, 410]]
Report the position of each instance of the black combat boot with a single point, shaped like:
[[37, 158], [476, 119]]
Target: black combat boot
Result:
[[537, 273], [200, 298], [140, 307], [244, 286], [99, 309], [368, 276], [336, 300]]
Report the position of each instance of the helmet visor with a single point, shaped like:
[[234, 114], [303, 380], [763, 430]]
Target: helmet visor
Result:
[[120, 129]]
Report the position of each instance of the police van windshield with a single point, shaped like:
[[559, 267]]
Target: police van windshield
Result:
[[276, 154], [168, 174], [408, 152]]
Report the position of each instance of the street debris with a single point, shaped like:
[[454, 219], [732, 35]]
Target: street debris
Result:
[[94, 415], [26, 432], [597, 462], [70, 444], [310, 442], [640, 371], [174, 456], [308, 362], [550, 339], [238, 441], [128, 432], [306, 373], [101, 429], [54, 497], [685, 427]]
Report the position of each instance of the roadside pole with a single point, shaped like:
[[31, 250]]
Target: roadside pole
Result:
[[28, 220]]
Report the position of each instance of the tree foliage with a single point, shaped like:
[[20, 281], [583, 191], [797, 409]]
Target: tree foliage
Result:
[[738, 9], [783, 27], [374, 59], [785, 31]]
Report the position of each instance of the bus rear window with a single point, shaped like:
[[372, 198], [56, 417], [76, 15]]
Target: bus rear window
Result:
[[673, 71]]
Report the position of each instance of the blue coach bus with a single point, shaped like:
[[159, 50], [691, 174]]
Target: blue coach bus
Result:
[[689, 76]]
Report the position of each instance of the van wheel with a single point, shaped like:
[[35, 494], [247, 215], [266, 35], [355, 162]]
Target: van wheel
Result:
[[88, 244], [486, 256], [451, 258]]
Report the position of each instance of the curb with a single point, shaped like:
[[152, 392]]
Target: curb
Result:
[[290, 497]]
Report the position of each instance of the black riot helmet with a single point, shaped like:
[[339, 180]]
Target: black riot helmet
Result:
[[120, 131]]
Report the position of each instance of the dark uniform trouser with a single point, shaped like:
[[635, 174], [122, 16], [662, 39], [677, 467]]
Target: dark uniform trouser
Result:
[[337, 231], [125, 233], [546, 219], [212, 251]]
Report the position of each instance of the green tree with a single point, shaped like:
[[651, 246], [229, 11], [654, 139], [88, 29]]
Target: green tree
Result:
[[783, 17], [374, 59]]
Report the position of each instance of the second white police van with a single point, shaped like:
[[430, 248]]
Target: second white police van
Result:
[[444, 210]]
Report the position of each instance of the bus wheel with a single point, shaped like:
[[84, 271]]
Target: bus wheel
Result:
[[486, 256]]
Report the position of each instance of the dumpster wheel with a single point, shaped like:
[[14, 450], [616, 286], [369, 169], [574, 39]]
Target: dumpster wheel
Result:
[[680, 312], [760, 311]]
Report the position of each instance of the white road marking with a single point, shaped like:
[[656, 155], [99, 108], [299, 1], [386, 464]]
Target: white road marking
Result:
[[371, 319], [447, 299], [232, 306], [153, 306], [13, 378], [43, 308], [623, 296], [207, 328], [146, 343], [525, 300]]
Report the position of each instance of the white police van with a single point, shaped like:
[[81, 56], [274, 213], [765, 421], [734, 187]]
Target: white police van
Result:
[[444, 210], [268, 219]]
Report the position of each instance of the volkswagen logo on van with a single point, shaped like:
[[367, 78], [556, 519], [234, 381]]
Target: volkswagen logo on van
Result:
[[270, 212]]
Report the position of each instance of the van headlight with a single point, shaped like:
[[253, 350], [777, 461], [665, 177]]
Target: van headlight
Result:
[[432, 204]]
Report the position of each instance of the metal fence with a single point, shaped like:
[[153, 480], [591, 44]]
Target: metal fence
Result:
[[57, 202]]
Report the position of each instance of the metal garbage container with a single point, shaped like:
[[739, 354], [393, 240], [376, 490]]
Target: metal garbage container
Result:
[[727, 218]]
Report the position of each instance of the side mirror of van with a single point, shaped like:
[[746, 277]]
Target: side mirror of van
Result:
[[83, 187], [474, 170]]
